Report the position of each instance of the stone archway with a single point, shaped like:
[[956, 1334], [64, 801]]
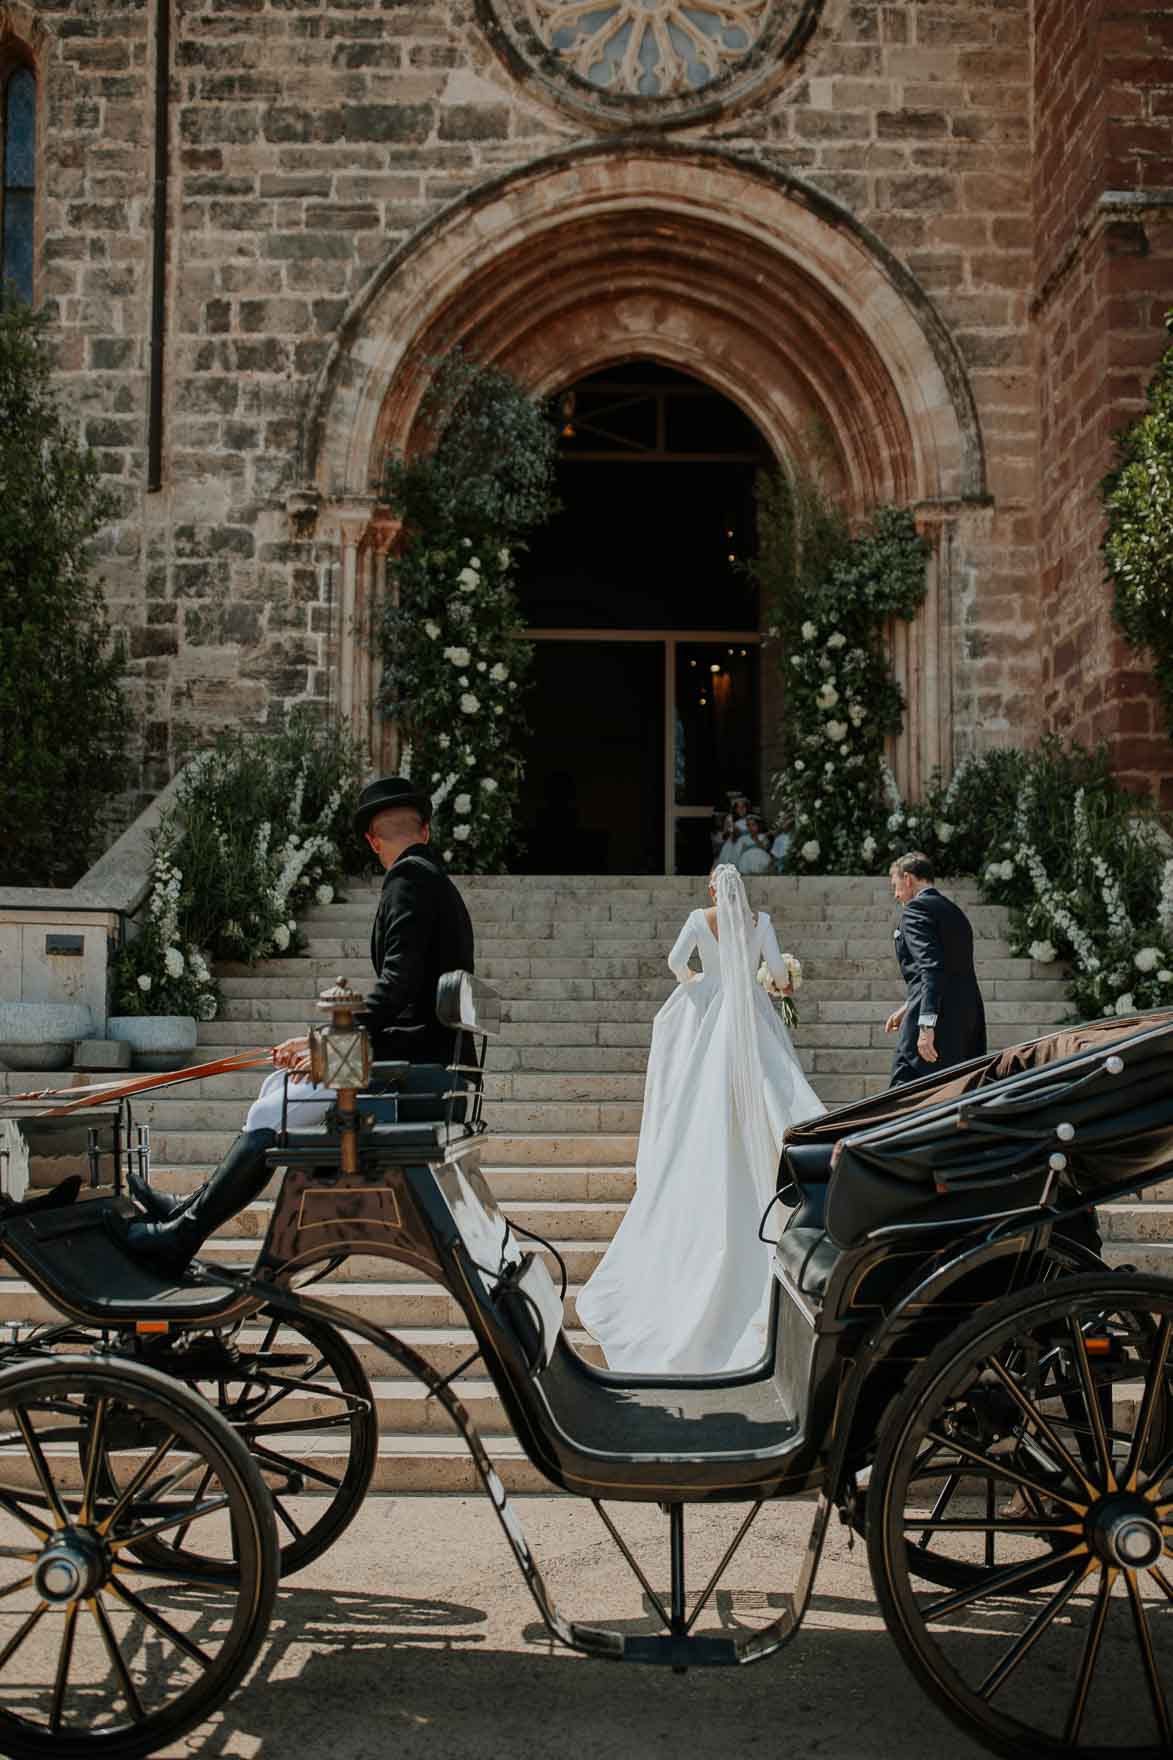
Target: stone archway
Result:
[[750, 280]]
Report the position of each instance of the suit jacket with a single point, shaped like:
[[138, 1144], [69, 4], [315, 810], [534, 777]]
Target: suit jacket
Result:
[[934, 945], [421, 930]]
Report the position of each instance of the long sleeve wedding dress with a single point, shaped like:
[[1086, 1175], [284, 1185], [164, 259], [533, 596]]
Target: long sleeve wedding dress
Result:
[[684, 1286]]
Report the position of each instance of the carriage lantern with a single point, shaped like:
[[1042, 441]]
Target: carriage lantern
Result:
[[340, 1058]]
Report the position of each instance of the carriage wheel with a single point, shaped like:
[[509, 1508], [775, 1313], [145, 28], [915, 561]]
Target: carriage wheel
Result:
[[99, 1651], [932, 1553], [300, 1399], [1056, 1403]]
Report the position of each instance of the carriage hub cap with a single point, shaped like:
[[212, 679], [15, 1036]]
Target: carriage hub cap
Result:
[[69, 1569], [1128, 1535]]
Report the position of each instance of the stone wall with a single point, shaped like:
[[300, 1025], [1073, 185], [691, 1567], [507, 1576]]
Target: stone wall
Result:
[[1104, 278], [312, 140]]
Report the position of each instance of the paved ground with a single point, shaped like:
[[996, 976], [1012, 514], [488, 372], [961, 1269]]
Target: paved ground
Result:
[[415, 1637]]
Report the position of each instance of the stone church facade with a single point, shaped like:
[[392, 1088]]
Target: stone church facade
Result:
[[937, 233]]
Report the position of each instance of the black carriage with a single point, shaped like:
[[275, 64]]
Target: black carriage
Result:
[[949, 1366]]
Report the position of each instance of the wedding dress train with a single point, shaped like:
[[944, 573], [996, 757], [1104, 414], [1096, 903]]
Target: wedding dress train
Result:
[[685, 1285]]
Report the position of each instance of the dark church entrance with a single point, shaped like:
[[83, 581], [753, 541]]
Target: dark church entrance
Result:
[[645, 708]]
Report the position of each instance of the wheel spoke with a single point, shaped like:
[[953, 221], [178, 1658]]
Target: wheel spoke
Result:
[[999, 1525], [1033, 1416], [283, 1463], [161, 1625], [63, 1663], [13, 1588], [1162, 1579], [1153, 1383], [340, 1420], [184, 1520], [86, 1514], [1002, 1470], [1091, 1651], [41, 1465], [117, 1660], [17, 1552], [283, 1515], [139, 1479], [1015, 1576], [1144, 1638], [990, 1530], [944, 1499], [17, 1639], [1091, 1401], [1001, 1672]]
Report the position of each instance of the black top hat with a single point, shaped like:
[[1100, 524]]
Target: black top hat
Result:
[[389, 791]]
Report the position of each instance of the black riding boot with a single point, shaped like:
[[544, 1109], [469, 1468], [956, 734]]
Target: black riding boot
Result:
[[170, 1247], [157, 1205]]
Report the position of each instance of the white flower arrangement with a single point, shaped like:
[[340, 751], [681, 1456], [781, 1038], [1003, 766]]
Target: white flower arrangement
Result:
[[469, 704], [281, 938], [828, 696], [324, 894], [459, 657], [1148, 959], [811, 850], [809, 631], [499, 673], [462, 803], [1044, 953], [431, 630], [462, 833], [836, 732], [837, 639], [489, 785]]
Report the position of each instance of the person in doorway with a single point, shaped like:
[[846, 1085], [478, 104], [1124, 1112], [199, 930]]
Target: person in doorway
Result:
[[421, 930], [943, 1019], [684, 1287]]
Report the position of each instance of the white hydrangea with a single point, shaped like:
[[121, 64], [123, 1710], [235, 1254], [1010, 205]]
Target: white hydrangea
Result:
[[462, 833], [499, 673], [944, 831], [1147, 959], [836, 731], [468, 580], [1125, 1003], [489, 786], [895, 821], [1043, 952], [174, 961], [458, 656], [836, 639], [431, 630], [810, 850], [325, 893], [281, 938], [144, 981], [469, 704], [809, 631], [462, 803]]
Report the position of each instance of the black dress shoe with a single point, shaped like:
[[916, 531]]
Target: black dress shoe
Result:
[[157, 1205], [169, 1247]]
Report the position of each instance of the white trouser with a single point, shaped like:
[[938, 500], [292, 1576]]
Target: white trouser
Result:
[[306, 1105]]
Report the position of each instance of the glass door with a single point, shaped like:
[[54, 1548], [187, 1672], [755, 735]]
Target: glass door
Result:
[[716, 741]]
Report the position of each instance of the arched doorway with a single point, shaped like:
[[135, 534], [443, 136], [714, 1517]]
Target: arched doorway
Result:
[[646, 700]]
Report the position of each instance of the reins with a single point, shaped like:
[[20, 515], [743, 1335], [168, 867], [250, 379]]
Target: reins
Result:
[[95, 1094]]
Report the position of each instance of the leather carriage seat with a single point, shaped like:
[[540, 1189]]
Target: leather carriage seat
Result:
[[805, 1253]]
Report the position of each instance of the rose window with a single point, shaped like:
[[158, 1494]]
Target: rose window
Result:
[[650, 63]]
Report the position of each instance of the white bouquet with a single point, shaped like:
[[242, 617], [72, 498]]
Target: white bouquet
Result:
[[782, 996]]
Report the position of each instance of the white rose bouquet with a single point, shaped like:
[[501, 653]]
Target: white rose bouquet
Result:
[[782, 996]]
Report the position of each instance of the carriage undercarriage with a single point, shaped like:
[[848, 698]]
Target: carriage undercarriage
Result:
[[964, 1384]]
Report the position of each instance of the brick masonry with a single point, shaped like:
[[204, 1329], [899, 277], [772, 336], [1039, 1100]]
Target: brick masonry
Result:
[[313, 139]]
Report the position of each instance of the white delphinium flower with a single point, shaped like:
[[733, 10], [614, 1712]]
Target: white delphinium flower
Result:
[[489, 786], [469, 704], [431, 630], [325, 893], [462, 803], [281, 938], [809, 631], [836, 731], [174, 961], [1043, 952], [810, 850], [1125, 1003], [837, 639], [462, 832], [499, 673], [458, 656], [440, 795], [144, 981], [1147, 959]]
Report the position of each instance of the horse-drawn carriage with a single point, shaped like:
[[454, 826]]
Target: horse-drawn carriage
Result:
[[949, 1366]]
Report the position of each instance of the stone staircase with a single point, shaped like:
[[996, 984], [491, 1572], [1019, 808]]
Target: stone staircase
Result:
[[580, 963]]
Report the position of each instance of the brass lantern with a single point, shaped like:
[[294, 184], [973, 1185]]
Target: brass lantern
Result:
[[340, 1058]]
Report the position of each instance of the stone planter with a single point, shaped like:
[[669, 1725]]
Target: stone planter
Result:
[[42, 1035], [157, 1041]]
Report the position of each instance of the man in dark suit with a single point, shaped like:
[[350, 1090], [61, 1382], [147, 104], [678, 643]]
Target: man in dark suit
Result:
[[421, 930], [943, 1020]]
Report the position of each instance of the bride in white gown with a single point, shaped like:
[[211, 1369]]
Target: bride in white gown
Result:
[[685, 1285]]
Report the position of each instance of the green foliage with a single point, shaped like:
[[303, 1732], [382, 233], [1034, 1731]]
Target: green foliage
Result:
[[262, 831], [1138, 541], [831, 594], [63, 720], [454, 660]]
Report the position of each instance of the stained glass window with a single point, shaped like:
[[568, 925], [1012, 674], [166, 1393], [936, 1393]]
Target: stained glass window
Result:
[[18, 113]]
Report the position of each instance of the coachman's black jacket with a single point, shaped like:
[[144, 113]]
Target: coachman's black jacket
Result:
[[422, 930], [934, 945]]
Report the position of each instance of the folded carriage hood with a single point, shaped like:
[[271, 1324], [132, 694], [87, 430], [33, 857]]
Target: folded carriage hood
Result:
[[980, 1139]]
